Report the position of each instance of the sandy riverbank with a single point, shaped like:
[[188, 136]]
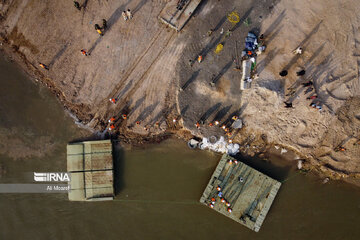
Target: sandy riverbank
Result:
[[144, 65]]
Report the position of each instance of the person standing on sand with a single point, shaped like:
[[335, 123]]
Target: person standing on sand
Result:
[[283, 73], [307, 84], [313, 105], [298, 51], [77, 5], [288, 105], [129, 14], [111, 120], [311, 97], [124, 15], [300, 73], [112, 127], [84, 52], [113, 100], [210, 32], [191, 63], [98, 29], [309, 89], [44, 66], [319, 108]]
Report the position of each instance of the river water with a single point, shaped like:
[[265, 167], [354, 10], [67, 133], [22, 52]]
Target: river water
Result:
[[160, 185]]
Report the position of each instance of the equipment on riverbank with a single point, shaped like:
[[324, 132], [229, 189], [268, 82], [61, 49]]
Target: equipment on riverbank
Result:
[[177, 12], [219, 146], [252, 47]]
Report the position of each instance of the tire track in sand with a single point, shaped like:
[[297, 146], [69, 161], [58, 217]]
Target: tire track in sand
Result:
[[140, 76]]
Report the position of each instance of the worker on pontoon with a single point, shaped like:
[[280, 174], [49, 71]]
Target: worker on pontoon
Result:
[[124, 116], [111, 127], [113, 100], [111, 120]]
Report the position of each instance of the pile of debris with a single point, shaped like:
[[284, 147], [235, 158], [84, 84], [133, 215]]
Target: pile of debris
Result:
[[217, 146]]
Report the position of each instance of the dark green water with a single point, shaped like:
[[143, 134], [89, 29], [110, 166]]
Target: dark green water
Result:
[[164, 180]]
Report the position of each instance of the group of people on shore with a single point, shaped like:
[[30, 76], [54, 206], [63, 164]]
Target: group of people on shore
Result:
[[309, 85], [99, 29], [127, 15]]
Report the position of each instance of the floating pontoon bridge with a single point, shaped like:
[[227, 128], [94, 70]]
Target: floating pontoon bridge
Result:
[[91, 167], [240, 192]]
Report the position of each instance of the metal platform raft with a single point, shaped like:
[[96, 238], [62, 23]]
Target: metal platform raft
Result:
[[177, 12], [240, 192], [91, 167]]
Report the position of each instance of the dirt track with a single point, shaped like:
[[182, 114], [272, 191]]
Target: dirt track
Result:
[[144, 65]]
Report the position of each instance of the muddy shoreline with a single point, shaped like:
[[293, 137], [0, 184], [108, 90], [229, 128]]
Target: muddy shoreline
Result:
[[146, 76], [128, 139]]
